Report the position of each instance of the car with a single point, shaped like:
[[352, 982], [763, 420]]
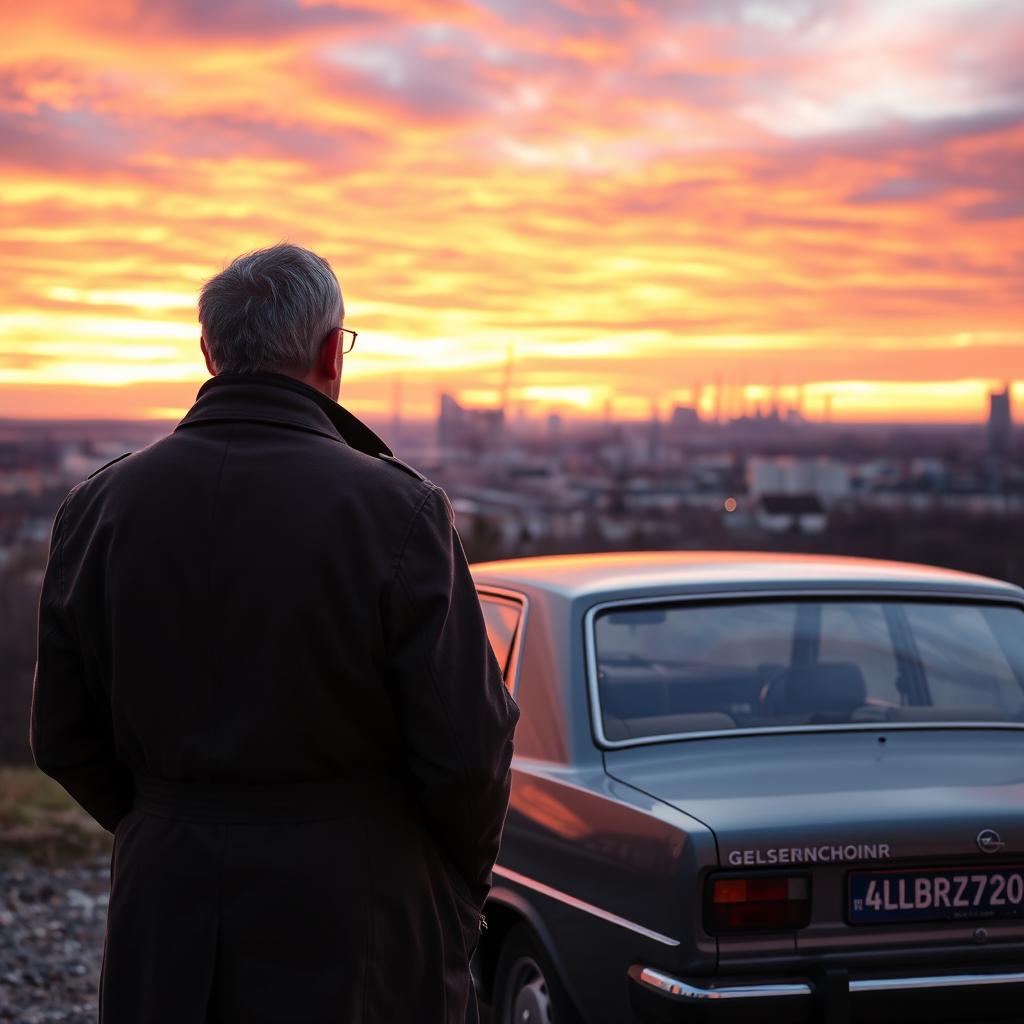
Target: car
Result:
[[757, 787]]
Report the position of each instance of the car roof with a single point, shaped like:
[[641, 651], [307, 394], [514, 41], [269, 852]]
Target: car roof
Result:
[[642, 572]]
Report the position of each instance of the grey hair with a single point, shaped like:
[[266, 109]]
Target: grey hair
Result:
[[269, 311]]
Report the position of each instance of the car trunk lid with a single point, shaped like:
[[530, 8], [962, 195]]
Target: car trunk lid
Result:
[[872, 795]]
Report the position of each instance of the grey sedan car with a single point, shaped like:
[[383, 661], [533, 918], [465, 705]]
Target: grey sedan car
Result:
[[757, 787]]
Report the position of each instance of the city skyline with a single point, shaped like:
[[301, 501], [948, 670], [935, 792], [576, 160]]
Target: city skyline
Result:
[[704, 405], [719, 403], [637, 199]]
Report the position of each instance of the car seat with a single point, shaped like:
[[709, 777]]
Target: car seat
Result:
[[830, 688]]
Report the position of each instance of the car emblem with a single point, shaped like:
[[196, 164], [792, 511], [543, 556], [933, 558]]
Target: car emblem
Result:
[[989, 841]]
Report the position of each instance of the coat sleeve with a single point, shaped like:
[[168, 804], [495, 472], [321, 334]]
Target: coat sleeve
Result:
[[457, 715], [70, 731]]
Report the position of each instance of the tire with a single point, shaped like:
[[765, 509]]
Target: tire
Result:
[[527, 989]]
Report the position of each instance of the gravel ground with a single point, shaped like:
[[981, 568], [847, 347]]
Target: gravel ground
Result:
[[51, 939]]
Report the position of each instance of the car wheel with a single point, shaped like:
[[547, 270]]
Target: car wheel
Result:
[[527, 989]]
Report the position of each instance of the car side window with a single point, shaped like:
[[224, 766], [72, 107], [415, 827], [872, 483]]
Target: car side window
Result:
[[501, 618]]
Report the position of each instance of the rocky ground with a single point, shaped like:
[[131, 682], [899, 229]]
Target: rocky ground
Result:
[[54, 887], [51, 939]]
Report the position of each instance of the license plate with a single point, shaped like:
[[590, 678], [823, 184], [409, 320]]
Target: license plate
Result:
[[936, 894]]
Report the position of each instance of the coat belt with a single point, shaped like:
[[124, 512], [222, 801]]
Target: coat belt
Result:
[[241, 802]]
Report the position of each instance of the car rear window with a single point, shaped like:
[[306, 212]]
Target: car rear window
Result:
[[691, 667]]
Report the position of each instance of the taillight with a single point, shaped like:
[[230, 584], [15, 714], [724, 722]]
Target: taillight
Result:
[[736, 903]]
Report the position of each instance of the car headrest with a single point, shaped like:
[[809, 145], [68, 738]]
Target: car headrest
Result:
[[633, 690], [832, 687]]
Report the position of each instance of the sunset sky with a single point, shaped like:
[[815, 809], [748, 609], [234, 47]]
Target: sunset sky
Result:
[[629, 201]]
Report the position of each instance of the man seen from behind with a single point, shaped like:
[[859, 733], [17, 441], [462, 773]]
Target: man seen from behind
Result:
[[262, 665]]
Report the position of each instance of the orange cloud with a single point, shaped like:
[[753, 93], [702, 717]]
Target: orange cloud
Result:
[[639, 198]]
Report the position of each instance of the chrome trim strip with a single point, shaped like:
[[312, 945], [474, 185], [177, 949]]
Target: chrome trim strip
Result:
[[936, 981], [577, 904], [689, 992], [511, 597], [699, 994], [894, 593]]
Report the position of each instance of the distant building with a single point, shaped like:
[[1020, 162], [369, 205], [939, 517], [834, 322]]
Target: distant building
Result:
[[1000, 422], [825, 478], [684, 418], [473, 431], [791, 513], [654, 435]]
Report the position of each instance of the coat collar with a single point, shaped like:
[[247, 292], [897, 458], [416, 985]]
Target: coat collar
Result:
[[275, 398]]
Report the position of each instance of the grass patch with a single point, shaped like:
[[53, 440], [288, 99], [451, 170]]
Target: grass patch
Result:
[[40, 821]]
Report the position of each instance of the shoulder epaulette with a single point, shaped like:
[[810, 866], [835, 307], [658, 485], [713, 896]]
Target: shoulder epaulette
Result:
[[108, 465], [402, 465], [448, 505]]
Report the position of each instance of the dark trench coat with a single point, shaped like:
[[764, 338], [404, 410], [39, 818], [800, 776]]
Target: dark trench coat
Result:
[[262, 665]]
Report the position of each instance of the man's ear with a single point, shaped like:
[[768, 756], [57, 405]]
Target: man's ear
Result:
[[327, 361], [206, 356]]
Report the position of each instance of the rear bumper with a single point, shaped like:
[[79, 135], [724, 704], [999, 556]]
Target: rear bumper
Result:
[[832, 997]]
